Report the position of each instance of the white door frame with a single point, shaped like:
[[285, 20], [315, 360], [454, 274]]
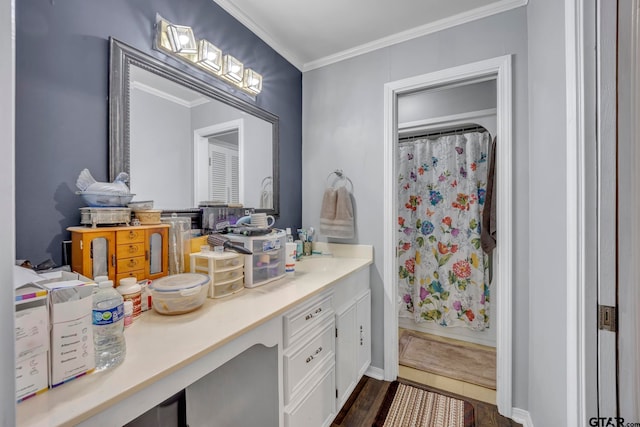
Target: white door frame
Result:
[[628, 208], [500, 69], [201, 151]]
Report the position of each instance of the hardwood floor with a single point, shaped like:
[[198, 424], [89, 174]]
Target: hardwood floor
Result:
[[363, 404]]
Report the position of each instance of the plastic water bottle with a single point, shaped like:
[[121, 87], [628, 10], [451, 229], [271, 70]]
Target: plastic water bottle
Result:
[[108, 326]]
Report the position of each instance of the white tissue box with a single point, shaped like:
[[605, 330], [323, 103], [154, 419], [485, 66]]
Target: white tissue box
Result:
[[70, 305], [31, 341]]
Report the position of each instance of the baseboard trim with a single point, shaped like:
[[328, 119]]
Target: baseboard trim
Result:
[[521, 416], [375, 373]]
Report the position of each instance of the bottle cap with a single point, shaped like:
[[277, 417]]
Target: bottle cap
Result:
[[106, 284], [129, 285]]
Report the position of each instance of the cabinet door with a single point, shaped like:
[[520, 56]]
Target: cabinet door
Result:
[[363, 310], [93, 253], [346, 349], [156, 252]]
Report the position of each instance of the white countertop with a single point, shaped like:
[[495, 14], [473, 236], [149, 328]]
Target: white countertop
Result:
[[159, 345]]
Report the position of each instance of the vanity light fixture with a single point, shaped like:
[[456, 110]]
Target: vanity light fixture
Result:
[[182, 39], [252, 81], [180, 42], [232, 69], [209, 57]]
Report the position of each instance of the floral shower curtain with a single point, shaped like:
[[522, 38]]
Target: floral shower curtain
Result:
[[443, 272]]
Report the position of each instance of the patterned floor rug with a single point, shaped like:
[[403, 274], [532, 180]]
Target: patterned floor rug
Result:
[[408, 406]]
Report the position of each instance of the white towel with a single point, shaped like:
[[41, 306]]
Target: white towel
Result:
[[336, 215]]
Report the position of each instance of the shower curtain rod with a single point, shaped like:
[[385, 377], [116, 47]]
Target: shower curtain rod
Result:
[[443, 132]]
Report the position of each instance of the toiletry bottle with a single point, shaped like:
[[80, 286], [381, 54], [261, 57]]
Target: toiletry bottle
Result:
[[289, 236], [131, 291]]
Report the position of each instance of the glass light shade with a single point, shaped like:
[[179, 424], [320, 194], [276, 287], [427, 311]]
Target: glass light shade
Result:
[[232, 69], [182, 39], [209, 56], [252, 81]]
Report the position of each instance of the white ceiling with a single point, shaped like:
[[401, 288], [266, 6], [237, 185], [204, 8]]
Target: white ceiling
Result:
[[313, 33]]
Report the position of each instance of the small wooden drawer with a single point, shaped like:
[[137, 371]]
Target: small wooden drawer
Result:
[[138, 274], [301, 361], [130, 236], [126, 265], [298, 321], [218, 290], [130, 250], [226, 275]]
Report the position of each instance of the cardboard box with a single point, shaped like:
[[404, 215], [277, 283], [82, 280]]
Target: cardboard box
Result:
[[70, 305], [32, 341]]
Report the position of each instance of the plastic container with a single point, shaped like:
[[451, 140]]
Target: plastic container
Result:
[[179, 293], [131, 291], [128, 313], [108, 325]]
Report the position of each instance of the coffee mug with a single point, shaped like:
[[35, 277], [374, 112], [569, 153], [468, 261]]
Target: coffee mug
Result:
[[262, 220]]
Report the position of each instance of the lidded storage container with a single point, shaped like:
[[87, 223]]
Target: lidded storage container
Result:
[[179, 293], [268, 260]]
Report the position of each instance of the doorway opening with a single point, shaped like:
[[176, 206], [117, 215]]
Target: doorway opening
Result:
[[218, 163], [498, 70]]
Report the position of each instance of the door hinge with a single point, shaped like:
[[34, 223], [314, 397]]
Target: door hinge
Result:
[[607, 318], [336, 393], [336, 332]]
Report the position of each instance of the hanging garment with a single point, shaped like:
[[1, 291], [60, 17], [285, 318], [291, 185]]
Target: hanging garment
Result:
[[443, 274], [489, 227]]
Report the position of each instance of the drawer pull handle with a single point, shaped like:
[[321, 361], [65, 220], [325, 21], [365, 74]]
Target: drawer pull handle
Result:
[[310, 358], [132, 249], [132, 235], [311, 315], [133, 263]]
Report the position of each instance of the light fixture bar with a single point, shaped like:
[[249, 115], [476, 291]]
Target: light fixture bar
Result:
[[180, 42]]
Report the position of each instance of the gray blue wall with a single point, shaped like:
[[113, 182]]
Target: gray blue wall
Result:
[[343, 122], [62, 72]]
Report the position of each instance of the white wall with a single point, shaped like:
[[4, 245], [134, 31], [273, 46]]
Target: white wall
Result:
[[343, 114], [547, 207], [163, 144], [7, 213]]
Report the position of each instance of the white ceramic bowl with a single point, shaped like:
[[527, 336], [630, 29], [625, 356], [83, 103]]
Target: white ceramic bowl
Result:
[[104, 200], [179, 293]]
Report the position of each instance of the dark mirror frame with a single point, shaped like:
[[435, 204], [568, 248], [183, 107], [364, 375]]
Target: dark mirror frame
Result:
[[122, 57]]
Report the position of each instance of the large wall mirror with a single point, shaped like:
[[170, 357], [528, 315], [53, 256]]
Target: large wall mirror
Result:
[[184, 142]]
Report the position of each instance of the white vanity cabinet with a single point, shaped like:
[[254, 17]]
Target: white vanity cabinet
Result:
[[309, 363], [327, 349], [353, 333]]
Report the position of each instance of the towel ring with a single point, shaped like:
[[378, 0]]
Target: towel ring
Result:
[[266, 182], [341, 177]]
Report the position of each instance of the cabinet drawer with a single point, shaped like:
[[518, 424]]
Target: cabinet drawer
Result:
[[129, 264], [226, 275], [130, 236], [298, 321], [301, 361], [220, 264], [227, 288], [130, 250], [317, 407]]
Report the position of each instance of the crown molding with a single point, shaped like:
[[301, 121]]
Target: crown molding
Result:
[[266, 37], [171, 98], [423, 30]]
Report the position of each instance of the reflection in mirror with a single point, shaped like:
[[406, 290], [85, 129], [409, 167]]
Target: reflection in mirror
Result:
[[184, 142]]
